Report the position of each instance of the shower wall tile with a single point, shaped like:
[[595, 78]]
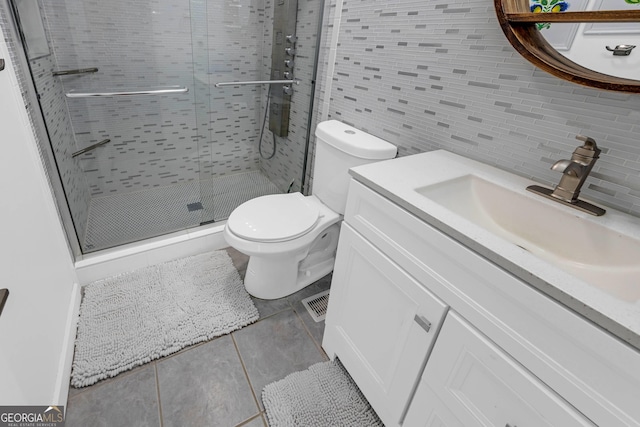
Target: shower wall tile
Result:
[[234, 54], [441, 75], [160, 140], [135, 45], [288, 164]]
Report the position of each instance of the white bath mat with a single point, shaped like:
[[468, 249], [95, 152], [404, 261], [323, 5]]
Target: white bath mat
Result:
[[322, 396], [131, 319]]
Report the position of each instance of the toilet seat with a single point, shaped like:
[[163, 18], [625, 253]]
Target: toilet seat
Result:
[[274, 218]]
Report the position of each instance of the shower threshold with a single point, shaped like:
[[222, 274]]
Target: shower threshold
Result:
[[125, 218]]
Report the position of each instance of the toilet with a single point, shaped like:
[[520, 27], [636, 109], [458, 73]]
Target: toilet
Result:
[[291, 239]]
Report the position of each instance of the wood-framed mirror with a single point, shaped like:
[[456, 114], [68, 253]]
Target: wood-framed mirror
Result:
[[521, 23]]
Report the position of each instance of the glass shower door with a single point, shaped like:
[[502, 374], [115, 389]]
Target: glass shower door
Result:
[[145, 143], [229, 46], [116, 92]]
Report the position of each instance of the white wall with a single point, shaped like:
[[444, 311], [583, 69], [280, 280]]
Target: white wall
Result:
[[38, 322], [589, 50]]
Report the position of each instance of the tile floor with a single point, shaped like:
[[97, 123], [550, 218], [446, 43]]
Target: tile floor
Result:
[[217, 383], [124, 218]]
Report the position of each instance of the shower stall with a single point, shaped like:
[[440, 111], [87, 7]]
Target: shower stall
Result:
[[162, 115]]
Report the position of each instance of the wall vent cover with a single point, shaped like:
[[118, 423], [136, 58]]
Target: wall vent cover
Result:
[[316, 305]]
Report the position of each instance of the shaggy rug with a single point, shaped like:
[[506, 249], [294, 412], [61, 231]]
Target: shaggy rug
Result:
[[136, 317], [322, 396]]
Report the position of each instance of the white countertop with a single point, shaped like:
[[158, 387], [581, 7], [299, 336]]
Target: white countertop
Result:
[[397, 180]]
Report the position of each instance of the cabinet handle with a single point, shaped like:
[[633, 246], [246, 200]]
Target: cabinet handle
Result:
[[424, 323], [4, 294], [509, 425]]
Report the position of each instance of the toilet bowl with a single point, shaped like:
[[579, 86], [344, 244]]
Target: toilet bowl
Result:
[[287, 229], [291, 239]]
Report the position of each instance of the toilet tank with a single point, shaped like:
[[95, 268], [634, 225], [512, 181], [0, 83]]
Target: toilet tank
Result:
[[338, 148]]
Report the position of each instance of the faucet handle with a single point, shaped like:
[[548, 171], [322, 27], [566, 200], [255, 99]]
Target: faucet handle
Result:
[[589, 150], [588, 141]]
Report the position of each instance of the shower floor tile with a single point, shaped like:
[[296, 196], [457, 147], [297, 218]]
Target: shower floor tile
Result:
[[125, 218]]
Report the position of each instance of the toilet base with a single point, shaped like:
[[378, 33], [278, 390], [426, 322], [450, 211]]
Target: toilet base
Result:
[[273, 277], [258, 284]]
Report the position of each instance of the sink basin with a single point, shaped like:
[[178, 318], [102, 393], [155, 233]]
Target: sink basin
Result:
[[599, 255]]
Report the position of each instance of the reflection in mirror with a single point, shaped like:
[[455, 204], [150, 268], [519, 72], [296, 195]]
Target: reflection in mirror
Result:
[[593, 45]]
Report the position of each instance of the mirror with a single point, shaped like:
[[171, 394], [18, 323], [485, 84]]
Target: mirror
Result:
[[591, 42]]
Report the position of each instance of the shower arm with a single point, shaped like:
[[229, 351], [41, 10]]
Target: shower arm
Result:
[[259, 82]]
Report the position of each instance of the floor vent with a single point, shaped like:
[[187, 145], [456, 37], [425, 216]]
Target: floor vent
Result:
[[316, 305]]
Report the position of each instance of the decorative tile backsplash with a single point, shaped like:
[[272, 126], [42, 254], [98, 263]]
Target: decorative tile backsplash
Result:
[[441, 75]]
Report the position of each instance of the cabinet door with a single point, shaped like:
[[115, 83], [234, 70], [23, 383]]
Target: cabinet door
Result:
[[381, 323], [471, 382]]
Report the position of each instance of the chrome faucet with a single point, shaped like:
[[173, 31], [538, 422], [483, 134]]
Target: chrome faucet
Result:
[[574, 173]]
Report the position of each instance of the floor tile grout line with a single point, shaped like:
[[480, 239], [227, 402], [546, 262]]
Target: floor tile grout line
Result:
[[155, 366], [248, 420], [272, 314], [105, 381], [246, 374], [318, 346], [131, 371]]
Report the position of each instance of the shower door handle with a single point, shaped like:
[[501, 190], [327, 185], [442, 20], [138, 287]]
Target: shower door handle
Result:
[[1, 64], [258, 82], [90, 148], [78, 71], [159, 91]]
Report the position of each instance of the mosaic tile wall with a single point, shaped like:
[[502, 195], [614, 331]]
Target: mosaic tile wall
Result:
[[159, 140], [426, 75], [287, 165], [234, 54]]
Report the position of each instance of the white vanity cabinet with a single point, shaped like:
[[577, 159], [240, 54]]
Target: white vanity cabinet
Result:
[[507, 355], [470, 382], [382, 324]]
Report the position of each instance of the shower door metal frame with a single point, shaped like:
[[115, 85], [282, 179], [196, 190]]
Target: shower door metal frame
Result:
[[30, 97]]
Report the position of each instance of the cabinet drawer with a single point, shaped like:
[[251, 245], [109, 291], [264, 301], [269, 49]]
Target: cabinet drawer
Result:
[[470, 382], [598, 374], [381, 324]]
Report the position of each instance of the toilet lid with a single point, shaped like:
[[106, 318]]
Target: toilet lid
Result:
[[273, 218]]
